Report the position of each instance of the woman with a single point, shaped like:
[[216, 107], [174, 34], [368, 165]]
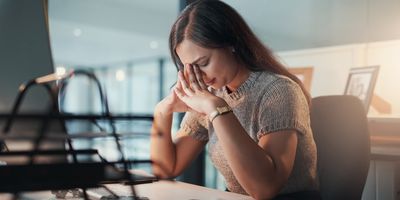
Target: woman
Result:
[[239, 99]]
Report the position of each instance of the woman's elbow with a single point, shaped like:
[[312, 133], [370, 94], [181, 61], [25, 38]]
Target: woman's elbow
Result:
[[262, 195], [164, 173], [262, 192]]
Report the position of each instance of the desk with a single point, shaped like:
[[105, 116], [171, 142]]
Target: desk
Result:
[[383, 175], [179, 190], [160, 190], [385, 137], [385, 148], [389, 140]]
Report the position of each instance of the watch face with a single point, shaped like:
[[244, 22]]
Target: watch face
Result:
[[223, 109], [219, 111]]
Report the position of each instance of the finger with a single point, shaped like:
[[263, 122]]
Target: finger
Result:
[[180, 87], [185, 71], [199, 77], [176, 85], [180, 93], [188, 91], [192, 78]]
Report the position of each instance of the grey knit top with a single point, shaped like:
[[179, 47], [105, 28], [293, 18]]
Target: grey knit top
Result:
[[263, 104]]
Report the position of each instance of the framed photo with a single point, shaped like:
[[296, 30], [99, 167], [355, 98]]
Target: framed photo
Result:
[[304, 74], [361, 83]]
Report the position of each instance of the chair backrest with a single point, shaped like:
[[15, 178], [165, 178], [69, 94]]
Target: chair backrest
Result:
[[340, 129]]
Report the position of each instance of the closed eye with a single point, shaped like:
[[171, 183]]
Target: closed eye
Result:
[[204, 64], [202, 61]]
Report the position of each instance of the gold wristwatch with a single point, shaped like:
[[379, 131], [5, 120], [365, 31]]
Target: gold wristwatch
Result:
[[219, 111]]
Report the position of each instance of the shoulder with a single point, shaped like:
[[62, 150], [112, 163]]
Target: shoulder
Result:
[[279, 91], [269, 82]]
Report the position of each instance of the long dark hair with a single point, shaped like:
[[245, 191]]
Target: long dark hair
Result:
[[214, 24]]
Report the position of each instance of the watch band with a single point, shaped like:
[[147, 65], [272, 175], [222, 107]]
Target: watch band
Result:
[[219, 111]]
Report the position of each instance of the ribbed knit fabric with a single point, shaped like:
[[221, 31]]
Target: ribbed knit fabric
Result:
[[263, 104]]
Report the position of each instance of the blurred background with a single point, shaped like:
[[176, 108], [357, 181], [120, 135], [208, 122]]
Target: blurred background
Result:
[[125, 43]]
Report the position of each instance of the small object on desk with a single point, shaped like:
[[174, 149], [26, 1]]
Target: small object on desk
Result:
[[103, 194], [62, 194]]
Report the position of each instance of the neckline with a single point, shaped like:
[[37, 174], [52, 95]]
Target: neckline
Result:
[[235, 95]]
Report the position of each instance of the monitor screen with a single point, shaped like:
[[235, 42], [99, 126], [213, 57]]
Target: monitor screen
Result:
[[24, 52]]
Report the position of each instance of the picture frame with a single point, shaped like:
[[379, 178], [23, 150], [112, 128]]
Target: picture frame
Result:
[[305, 75], [361, 83]]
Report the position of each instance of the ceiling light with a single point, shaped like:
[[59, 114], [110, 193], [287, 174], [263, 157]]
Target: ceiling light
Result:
[[60, 70], [77, 32], [153, 44], [120, 75]]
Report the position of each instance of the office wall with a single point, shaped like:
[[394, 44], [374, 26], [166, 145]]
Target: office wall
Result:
[[331, 68], [332, 65]]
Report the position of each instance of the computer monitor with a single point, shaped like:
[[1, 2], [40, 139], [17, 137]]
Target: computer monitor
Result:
[[24, 55], [24, 52]]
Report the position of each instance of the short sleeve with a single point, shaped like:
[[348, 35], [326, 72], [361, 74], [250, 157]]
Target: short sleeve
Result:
[[195, 125], [283, 107]]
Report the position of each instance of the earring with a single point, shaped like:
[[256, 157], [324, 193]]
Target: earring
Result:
[[233, 50]]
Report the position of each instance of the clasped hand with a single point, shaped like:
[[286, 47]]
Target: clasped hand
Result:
[[192, 91]]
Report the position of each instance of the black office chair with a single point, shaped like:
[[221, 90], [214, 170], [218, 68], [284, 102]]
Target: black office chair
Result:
[[339, 125]]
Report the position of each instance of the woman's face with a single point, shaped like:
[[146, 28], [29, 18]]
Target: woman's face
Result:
[[219, 66]]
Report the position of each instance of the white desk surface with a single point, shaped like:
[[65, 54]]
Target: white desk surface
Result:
[[385, 150], [159, 190], [179, 190]]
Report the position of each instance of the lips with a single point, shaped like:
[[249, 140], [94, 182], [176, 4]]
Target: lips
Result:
[[210, 82]]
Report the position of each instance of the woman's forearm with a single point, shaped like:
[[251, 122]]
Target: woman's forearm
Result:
[[258, 172], [162, 149]]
